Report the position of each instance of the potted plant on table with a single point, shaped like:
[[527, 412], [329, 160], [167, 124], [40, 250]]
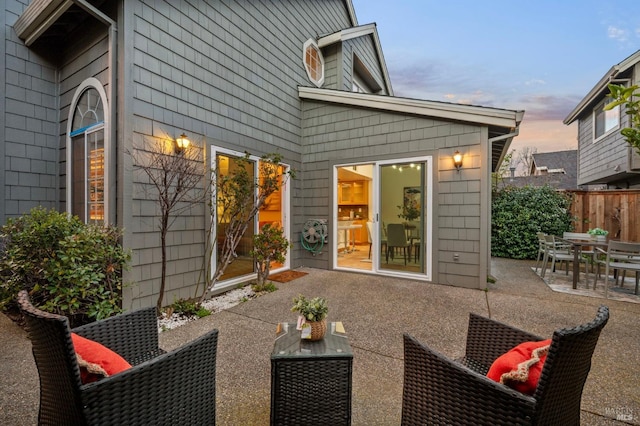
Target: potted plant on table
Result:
[[598, 234], [313, 314]]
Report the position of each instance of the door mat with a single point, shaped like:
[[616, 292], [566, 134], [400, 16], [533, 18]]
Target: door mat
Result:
[[286, 276]]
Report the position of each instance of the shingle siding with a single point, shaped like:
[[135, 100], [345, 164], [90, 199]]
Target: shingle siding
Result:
[[597, 160], [226, 73], [335, 134], [28, 119]]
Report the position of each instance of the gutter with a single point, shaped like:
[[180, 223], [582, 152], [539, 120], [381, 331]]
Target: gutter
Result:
[[510, 136]]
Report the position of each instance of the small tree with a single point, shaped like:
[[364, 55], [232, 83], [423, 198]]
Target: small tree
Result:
[[625, 96], [174, 178], [525, 157], [268, 246], [239, 196]]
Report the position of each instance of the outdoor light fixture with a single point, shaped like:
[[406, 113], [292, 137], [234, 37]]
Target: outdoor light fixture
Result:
[[182, 143], [457, 160]]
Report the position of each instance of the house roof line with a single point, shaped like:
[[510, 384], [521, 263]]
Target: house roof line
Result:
[[601, 86], [356, 32], [459, 112]]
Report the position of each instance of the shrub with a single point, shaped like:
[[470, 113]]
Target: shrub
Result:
[[517, 214], [189, 308], [69, 267]]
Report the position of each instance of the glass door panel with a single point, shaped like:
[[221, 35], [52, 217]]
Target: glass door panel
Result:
[[243, 262], [402, 215]]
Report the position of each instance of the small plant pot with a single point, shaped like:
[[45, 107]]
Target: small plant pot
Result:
[[600, 238], [318, 330]]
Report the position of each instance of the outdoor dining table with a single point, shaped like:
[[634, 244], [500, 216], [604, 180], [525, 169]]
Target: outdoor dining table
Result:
[[576, 245]]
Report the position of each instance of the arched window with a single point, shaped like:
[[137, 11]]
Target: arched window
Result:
[[87, 153]]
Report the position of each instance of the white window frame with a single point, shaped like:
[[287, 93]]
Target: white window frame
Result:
[[613, 114], [286, 214], [90, 83], [312, 43]]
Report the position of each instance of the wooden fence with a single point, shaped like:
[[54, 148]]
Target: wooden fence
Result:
[[617, 211]]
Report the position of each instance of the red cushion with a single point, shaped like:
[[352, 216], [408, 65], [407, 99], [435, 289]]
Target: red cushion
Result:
[[95, 360], [520, 368]]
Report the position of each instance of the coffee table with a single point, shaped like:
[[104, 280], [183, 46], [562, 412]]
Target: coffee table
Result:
[[311, 381]]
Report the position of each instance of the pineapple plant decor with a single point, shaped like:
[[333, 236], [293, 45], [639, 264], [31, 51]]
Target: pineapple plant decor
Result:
[[312, 319]]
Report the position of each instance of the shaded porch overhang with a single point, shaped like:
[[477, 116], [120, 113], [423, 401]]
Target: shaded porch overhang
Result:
[[503, 124], [53, 19]]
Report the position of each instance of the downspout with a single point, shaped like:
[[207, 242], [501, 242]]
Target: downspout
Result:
[[485, 231], [110, 138]]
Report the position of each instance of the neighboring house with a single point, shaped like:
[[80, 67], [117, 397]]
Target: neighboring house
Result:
[[556, 169], [604, 158], [88, 83]]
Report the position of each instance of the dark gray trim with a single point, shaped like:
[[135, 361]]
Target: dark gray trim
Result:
[[3, 86]]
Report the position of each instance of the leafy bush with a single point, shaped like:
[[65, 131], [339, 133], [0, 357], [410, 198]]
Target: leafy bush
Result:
[[69, 267], [189, 308], [517, 214]]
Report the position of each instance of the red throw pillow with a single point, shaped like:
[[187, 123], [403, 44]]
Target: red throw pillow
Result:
[[95, 360], [520, 368]]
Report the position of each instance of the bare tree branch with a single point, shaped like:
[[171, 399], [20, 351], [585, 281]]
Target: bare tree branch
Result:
[[175, 182]]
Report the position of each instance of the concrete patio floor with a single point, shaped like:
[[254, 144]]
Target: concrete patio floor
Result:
[[376, 311]]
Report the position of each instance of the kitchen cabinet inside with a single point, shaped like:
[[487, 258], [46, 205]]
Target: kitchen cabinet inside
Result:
[[353, 193]]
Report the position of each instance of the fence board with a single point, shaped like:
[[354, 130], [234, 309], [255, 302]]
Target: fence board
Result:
[[613, 210]]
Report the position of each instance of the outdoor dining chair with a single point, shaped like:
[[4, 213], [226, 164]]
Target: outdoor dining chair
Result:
[[542, 250], [441, 391], [589, 253], [620, 256], [159, 388], [557, 251]]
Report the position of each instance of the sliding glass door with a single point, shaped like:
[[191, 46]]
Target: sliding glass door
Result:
[[383, 217]]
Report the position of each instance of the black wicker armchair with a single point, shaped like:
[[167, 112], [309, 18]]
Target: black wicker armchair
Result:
[[438, 391], [176, 387]]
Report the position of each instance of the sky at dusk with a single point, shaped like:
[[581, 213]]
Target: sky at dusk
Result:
[[541, 56]]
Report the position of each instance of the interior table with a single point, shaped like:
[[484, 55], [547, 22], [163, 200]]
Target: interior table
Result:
[[349, 236], [311, 381], [576, 246]]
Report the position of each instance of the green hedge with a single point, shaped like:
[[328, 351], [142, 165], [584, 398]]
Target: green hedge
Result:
[[69, 268], [517, 214]]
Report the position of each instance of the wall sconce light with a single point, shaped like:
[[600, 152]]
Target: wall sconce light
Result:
[[457, 160], [182, 143]]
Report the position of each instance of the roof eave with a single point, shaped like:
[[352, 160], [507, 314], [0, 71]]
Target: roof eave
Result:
[[598, 90], [356, 32], [508, 119]]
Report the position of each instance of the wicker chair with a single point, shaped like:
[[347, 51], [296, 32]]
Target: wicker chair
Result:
[[176, 387], [440, 391]]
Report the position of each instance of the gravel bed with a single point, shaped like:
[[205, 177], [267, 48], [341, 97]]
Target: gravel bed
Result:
[[216, 304]]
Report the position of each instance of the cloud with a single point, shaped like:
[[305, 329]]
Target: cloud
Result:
[[549, 107], [618, 34], [535, 82]]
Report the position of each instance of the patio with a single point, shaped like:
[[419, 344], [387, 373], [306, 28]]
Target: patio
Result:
[[375, 312]]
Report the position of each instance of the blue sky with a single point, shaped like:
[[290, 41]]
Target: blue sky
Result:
[[540, 56]]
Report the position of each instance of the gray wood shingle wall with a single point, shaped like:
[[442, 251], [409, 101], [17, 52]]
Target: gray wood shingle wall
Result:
[[29, 122], [336, 134]]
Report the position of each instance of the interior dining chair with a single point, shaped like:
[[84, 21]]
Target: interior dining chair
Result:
[[396, 238], [369, 232], [415, 240]]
